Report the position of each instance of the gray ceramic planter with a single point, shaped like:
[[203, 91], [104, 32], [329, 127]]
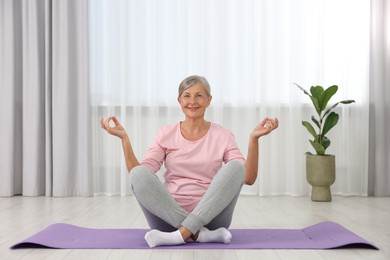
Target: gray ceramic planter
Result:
[[320, 173]]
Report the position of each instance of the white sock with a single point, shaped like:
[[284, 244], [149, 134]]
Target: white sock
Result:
[[158, 238], [220, 235]]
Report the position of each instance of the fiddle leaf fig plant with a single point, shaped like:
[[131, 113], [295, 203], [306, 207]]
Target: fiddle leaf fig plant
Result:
[[326, 118]]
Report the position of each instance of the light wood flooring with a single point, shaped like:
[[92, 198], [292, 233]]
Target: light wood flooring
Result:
[[21, 217]]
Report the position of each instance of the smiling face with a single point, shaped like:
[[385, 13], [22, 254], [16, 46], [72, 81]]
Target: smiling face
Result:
[[194, 101]]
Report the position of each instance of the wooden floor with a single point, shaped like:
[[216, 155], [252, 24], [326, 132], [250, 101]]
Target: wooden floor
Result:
[[368, 217]]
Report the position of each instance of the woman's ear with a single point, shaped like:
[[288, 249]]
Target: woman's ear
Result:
[[210, 98]]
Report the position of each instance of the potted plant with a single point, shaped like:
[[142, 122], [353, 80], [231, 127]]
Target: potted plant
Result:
[[320, 167]]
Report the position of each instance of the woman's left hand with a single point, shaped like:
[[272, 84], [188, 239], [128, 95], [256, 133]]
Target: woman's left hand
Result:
[[265, 127]]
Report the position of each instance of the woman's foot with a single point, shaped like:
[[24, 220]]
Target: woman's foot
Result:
[[158, 238], [220, 235]]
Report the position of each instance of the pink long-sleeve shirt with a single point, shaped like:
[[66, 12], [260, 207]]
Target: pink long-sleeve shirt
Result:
[[190, 165]]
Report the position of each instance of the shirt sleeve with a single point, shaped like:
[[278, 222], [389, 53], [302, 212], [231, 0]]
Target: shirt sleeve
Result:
[[232, 152], [155, 156]]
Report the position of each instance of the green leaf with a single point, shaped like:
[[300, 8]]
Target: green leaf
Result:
[[308, 153], [330, 122], [335, 105], [316, 104], [317, 95], [304, 90], [317, 91], [325, 142], [320, 150], [327, 95], [347, 101], [315, 121], [309, 128]]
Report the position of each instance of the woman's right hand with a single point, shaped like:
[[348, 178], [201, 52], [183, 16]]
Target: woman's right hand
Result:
[[117, 130]]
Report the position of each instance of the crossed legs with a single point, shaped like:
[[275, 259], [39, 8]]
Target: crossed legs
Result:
[[209, 220]]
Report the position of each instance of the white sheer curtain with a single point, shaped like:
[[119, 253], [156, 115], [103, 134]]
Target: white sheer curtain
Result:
[[251, 52]]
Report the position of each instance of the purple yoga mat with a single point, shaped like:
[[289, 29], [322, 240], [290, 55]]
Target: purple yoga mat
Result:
[[325, 235]]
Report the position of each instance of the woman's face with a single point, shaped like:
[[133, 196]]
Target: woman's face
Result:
[[194, 101]]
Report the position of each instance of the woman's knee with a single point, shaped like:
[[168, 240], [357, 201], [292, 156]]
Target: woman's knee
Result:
[[135, 173], [139, 175], [237, 168]]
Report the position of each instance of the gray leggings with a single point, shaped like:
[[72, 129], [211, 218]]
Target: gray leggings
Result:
[[213, 211]]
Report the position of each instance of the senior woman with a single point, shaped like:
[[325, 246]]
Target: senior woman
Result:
[[205, 171]]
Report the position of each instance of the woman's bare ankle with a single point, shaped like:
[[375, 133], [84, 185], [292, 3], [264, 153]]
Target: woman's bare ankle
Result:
[[185, 233]]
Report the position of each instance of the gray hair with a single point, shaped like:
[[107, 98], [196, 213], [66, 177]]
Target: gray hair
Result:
[[192, 80]]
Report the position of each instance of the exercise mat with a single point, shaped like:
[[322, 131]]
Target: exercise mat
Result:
[[325, 235]]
